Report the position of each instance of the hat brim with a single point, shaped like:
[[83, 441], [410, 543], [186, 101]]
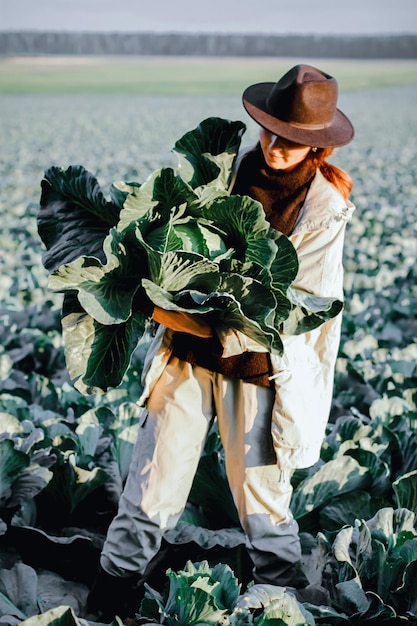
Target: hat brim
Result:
[[338, 133]]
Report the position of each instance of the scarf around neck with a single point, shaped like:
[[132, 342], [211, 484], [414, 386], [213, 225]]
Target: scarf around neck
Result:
[[282, 193]]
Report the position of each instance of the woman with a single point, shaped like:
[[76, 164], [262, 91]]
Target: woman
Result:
[[272, 411]]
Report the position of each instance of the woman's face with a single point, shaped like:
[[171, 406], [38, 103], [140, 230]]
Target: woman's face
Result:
[[280, 153]]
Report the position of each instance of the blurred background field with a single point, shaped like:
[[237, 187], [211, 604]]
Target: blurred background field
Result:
[[174, 75]]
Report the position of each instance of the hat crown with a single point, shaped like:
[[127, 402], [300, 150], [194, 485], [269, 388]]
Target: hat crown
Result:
[[301, 107], [304, 96]]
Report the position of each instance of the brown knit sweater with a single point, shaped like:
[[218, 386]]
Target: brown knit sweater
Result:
[[282, 195]]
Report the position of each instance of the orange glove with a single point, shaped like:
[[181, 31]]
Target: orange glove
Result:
[[192, 324]]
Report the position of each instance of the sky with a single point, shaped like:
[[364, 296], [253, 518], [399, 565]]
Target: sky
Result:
[[233, 16]]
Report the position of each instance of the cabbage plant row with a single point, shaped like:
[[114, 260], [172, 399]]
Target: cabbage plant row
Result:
[[64, 456]]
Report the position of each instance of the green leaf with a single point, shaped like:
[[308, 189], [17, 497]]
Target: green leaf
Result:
[[105, 291], [405, 490], [378, 612], [74, 216], [138, 203], [366, 565], [194, 238], [98, 355], [248, 269], [30, 482], [345, 509], [380, 471], [12, 464], [309, 311], [171, 234], [327, 615], [349, 431], [71, 484], [174, 272], [245, 228], [19, 584], [405, 597], [342, 475], [250, 310], [407, 443], [9, 424], [7, 608], [88, 430], [124, 430], [154, 200], [228, 591], [192, 605], [387, 522], [341, 549], [239, 303], [273, 604], [210, 150], [63, 616], [120, 190], [351, 597], [285, 265]]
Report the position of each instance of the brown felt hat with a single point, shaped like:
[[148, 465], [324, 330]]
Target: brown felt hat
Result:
[[300, 107]]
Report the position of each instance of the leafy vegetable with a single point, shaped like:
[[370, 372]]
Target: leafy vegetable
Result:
[[198, 594], [374, 565], [268, 604], [179, 242], [201, 594]]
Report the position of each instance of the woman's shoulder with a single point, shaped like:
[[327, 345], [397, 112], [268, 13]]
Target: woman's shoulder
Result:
[[323, 206]]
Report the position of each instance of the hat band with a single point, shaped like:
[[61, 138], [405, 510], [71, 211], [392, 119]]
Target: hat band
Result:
[[309, 126]]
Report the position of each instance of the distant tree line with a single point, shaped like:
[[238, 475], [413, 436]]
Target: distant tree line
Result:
[[207, 44]]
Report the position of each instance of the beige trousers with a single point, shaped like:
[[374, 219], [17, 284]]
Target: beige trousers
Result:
[[179, 413]]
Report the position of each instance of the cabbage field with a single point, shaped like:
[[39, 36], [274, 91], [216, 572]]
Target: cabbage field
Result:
[[64, 456]]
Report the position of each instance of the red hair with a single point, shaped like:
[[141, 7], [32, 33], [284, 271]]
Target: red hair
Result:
[[335, 175]]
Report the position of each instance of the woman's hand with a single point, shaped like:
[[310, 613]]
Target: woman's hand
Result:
[[183, 322]]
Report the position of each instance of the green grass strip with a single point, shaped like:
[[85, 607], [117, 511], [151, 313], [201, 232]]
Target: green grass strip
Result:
[[182, 75]]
